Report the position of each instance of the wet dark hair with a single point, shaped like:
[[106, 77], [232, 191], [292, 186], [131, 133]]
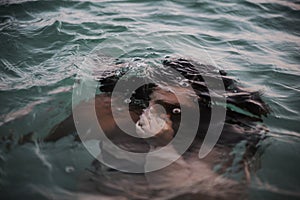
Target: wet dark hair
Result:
[[244, 109]]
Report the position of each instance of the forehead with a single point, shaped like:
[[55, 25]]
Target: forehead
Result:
[[177, 96]]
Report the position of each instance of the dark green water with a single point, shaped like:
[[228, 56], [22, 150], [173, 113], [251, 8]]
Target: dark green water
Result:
[[43, 43]]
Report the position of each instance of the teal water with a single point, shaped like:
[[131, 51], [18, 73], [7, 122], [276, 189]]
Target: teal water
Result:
[[43, 45]]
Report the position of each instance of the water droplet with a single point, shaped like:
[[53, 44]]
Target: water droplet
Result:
[[69, 169], [178, 78], [127, 101], [176, 110], [119, 109], [184, 84]]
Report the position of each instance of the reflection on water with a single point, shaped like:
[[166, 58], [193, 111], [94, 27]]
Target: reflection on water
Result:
[[43, 45]]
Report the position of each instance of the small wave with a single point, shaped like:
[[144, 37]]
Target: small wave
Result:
[[19, 113]]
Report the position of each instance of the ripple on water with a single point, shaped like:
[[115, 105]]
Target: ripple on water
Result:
[[42, 43]]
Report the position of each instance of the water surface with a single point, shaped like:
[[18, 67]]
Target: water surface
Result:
[[43, 45]]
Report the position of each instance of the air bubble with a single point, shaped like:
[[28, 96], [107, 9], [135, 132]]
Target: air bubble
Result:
[[127, 101], [69, 169]]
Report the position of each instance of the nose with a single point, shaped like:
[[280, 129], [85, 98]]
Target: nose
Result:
[[152, 121]]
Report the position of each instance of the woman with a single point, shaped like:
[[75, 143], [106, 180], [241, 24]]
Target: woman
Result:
[[156, 112]]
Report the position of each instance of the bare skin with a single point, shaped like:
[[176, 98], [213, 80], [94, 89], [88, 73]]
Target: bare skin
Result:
[[154, 116]]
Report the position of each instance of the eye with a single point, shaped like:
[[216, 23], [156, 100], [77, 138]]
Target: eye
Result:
[[176, 111]]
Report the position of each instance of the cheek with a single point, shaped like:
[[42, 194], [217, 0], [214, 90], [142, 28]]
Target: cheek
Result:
[[176, 119]]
